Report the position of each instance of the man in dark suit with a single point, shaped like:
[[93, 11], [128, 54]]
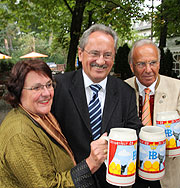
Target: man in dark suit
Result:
[[73, 94]]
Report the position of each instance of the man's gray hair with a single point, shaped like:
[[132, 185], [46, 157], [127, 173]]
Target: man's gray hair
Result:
[[98, 27], [141, 43]]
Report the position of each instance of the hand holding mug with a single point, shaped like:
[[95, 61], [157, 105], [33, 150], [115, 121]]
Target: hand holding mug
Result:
[[98, 153]]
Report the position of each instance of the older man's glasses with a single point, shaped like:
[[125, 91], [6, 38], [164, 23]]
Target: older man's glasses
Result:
[[142, 65], [39, 87], [108, 56]]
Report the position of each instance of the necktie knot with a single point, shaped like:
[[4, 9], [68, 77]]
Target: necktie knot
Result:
[[147, 91], [95, 88]]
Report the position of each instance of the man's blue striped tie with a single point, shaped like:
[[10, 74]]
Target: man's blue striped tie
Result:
[[95, 112]]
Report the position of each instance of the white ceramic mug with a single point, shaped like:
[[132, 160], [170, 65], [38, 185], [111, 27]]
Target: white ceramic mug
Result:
[[121, 161], [170, 121], [152, 151]]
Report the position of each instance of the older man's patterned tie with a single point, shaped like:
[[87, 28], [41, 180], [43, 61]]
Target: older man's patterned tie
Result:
[[146, 114], [95, 112]]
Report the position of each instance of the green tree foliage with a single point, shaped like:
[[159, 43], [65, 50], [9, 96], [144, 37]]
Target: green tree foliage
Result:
[[67, 19], [7, 36], [167, 20], [166, 63], [116, 13]]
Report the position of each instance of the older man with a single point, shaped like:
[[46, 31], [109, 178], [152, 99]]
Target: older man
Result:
[[144, 60], [75, 92]]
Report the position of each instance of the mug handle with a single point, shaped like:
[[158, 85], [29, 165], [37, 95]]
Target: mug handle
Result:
[[107, 139]]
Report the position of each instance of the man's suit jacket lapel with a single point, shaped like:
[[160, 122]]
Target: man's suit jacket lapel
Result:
[[77, 91], [111, 100]]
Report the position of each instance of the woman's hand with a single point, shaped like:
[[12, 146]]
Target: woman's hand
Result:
[[98, 153]]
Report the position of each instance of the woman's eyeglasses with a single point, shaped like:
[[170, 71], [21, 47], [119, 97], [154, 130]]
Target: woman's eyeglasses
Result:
[[49, 85]]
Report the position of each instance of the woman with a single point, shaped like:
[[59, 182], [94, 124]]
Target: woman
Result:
[[33, 150]]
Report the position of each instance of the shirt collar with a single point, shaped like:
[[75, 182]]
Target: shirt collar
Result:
[[88, 81], [142, 87]]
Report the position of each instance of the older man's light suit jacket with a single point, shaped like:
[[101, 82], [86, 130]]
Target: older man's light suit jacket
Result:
[[167, 98]]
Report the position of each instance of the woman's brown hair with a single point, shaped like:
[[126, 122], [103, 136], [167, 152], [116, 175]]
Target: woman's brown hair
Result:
[[18, 75]]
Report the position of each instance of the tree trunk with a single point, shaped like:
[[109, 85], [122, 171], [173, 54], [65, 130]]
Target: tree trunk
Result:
[[75, 32], [164, 27], [90, 18], [6, 46], [163, 35]]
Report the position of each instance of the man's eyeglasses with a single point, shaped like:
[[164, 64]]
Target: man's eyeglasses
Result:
[[142, 65], [108, 56], [49, 85]]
